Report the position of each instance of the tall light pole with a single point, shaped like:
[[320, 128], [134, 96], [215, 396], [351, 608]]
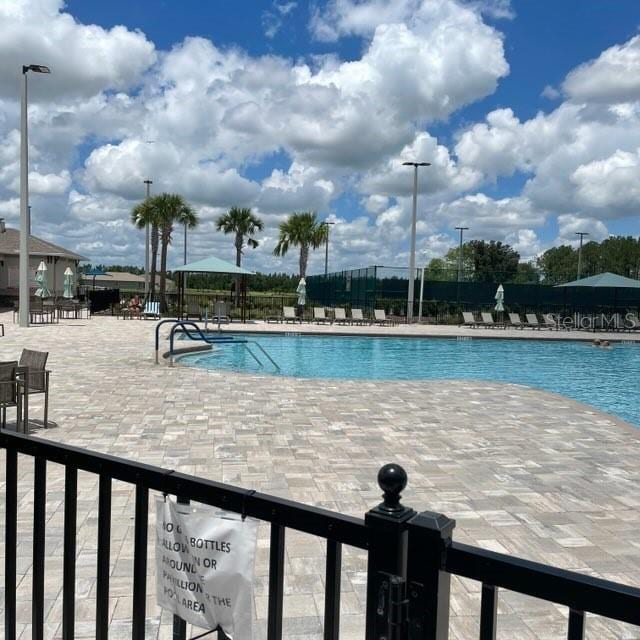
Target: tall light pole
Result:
[[462, 230], [412, 252], [25, 218], [582, 234], [147, 280], [326, 247]]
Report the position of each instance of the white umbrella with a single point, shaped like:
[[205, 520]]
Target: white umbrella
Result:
[[499, 299], [68, 283], [302, 292], [41, 278]]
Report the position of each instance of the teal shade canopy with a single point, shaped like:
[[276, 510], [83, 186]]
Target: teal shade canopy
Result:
[[606, 279], [213, 265]]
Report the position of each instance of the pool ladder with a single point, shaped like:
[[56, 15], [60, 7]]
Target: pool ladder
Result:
[[187, 327]]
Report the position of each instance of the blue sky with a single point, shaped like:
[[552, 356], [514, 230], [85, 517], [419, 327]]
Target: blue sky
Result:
[[284, 105]]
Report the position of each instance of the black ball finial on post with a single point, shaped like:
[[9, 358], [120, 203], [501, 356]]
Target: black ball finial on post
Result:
[[392, 479]]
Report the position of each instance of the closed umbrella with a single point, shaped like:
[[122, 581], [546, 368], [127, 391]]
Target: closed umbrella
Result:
[[499, 299], [302, 292], [68, 283], [41, 278]]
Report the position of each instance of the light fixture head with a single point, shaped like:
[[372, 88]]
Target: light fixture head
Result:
[[416, 164], [36, 68]]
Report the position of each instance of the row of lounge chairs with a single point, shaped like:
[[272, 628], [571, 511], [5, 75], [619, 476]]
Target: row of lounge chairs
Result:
[[617, 323], [339, 317], [487, 321]]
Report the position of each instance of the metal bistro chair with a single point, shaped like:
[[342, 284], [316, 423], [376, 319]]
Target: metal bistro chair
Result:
[[10, 394], [36, 378]]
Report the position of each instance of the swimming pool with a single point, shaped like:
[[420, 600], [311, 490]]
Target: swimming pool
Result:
[[609, 379]]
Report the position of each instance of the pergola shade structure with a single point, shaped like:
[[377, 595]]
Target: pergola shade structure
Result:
[[219, 267]]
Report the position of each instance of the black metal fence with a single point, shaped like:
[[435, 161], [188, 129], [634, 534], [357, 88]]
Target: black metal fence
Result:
[[386, 288], [411, 556]]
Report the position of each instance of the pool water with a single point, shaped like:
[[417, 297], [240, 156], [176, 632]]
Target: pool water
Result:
[[608, 379]]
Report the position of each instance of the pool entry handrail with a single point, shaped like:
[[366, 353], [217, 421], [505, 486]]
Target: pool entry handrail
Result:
[[411, 556], [192, 331]]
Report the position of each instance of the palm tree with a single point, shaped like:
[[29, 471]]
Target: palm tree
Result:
[[143, 214], [243, 224], [301, 229], [171, 209]]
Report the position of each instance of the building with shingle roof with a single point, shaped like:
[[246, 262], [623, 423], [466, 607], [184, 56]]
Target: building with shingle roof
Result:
[[55, 257]]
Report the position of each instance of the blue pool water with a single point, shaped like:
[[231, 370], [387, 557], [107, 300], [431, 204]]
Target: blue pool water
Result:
[[606, 378]]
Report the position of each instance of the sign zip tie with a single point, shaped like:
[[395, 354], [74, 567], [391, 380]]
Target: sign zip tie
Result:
[[247, 494], [167, 473]]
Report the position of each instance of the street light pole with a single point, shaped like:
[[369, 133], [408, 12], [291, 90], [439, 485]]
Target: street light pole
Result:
[[581, 234], [412, 251], [147, 280], [25, 218], [462, 230], [326, 247]]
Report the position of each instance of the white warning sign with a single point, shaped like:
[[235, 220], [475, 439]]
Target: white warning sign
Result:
[[204, 566]]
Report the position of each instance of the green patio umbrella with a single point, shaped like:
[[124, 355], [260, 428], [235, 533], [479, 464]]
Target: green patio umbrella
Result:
[[68, 283], [41, 278]]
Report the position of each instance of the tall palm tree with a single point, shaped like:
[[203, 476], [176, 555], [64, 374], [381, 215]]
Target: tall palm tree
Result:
[[143, 214], [243, 224], [172, 209], [301, 229]]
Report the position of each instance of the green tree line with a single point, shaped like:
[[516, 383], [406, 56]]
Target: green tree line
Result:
[[495, 261]]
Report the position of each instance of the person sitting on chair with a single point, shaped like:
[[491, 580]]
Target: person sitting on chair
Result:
[[135, 306]]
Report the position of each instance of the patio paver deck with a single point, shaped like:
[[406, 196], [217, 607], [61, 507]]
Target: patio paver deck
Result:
[[544, 477]]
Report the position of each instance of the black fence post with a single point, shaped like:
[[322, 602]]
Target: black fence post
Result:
[[428, 587], [387, 562]]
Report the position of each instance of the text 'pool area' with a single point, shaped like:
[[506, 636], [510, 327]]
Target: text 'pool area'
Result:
[[607, 378]]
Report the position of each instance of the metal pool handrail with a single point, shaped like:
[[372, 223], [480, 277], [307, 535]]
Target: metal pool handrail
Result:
[[221, 339]]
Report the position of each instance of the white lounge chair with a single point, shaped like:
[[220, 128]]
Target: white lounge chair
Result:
[[469, 321], [380, 317], [340, 317], [151, 310], [550, 321], [289, 315], [357, 317], [514, 319], [487, 321], [532, 321], [319, 316]]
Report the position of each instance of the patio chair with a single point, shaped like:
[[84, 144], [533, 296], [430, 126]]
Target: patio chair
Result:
[[487, 321], [357, 317], [532, 321], [340, 316], [10, 395], [289, 315], [193, 311], [469, 321], [220, 313], [514, 319], [550, 322], [319, 316], [380, 317], [151, 310], [36, 378]]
